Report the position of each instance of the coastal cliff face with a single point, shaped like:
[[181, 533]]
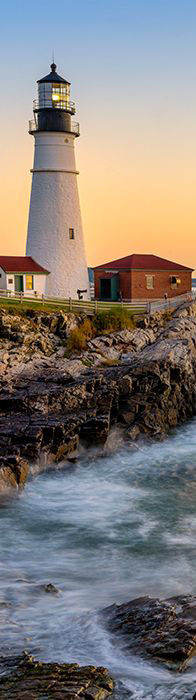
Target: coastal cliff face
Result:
[[50, 404]]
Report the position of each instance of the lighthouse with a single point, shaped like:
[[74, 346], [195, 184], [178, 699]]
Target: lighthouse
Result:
[[55, 235]]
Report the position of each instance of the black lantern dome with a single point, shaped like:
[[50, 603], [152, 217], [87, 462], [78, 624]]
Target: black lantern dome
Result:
[[53, 109], [53, 77]]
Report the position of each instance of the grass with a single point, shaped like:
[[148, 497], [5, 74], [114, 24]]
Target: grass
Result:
[[16, 307], [51, 306], [113, 320]]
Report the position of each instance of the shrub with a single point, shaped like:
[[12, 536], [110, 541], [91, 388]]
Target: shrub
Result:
[[113, 320], [79, 337]]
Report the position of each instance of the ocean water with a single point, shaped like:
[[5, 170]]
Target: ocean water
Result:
[[104, 530]]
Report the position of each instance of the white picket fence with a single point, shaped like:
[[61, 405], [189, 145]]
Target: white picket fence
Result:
[[93, 306]]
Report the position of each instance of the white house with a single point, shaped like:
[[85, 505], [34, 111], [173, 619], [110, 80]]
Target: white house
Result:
[[22, 274]]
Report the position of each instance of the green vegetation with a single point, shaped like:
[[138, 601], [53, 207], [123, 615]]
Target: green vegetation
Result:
[[15, 307], [103, 322], [113, 320]]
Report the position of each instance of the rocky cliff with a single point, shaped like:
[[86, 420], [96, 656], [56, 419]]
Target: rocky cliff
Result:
[[50, 403]]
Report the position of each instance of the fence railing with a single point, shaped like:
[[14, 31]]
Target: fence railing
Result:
[[93, 306], [74, 128]]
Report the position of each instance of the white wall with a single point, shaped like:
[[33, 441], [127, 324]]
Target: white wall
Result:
[[2, 279], [54, 151], [10, 286], [54, 208], [39, 284]]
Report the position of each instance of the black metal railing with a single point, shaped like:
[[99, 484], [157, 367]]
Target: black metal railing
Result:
[[74, 128]]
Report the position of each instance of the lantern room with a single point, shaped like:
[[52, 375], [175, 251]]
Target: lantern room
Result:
[[54, 92], [53, 108]]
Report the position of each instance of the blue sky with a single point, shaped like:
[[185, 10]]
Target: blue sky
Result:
[[132, 65]]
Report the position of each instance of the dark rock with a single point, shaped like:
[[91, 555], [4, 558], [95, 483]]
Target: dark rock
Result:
[[164, 630], [50, 588], [28, 679]]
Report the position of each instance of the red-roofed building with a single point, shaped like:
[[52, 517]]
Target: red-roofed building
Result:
[[22, 274], [141, 277]]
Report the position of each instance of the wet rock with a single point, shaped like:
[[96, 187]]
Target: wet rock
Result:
[[50, 588], [28, 679], [13, 473], [133, 433], [164, 630]]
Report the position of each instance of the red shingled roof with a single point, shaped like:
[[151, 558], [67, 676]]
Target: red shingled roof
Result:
[[142, 262], [10, 263]]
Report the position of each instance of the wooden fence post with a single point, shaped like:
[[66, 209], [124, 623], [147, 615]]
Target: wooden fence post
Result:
[[42, 299], [70, 304], [21, 296], [96, 306]]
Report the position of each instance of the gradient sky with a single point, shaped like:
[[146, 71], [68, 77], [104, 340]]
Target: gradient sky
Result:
[[132, 65]]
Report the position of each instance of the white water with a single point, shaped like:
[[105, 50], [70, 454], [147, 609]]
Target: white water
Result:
[[105, 530]]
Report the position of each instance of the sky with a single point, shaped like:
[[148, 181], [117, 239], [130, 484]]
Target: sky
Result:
[[132, 65]]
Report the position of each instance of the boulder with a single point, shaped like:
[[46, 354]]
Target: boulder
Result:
[[164, 630]]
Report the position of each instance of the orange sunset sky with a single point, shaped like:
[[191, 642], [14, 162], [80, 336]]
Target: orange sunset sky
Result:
[[132, 66]]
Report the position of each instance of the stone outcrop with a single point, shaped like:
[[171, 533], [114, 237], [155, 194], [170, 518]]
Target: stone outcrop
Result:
[[13, 473], [27, 679], [163, 630], [49, 403]]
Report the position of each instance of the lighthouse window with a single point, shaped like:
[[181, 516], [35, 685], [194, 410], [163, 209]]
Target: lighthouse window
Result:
[[29, 281], [71, 233], [60, 96]]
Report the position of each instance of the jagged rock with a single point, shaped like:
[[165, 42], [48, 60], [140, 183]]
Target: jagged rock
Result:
[[27, 679], [13, 473], [125, 385], [164, 630], [49, 402]]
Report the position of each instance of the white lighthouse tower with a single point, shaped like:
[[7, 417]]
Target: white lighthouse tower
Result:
[[55, 236]]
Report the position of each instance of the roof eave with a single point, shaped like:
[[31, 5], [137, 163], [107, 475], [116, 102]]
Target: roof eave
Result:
[[25, 272]]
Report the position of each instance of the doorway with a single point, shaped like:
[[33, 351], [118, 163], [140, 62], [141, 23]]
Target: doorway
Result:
[[109, 287], [19, 283], [105, 289]]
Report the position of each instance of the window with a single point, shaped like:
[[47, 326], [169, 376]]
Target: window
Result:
[[61, 95], [29, 281], [149, 282], [71, 233], [10, 280], [175, 281]]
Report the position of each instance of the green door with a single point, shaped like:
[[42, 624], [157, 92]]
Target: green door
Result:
[[115, 288], [18, 283]]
